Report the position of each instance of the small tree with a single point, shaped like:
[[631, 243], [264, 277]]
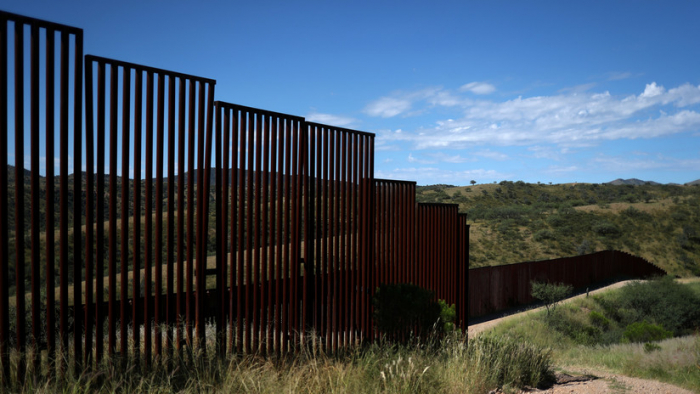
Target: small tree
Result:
[[473, 182], [550, 293]]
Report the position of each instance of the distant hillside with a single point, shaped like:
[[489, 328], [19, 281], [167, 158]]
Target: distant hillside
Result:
[[516, 222], [693, 183], [632, 181]]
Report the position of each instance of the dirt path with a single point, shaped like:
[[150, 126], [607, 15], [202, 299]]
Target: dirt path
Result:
[[600, 382], [610, 383]]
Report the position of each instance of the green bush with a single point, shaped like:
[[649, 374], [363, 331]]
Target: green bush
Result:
[[448, 315], [401, 308], [663, 301], [599, 320], [606, 229], [550, 293], [556, 220], [542, 235], [645, 332]]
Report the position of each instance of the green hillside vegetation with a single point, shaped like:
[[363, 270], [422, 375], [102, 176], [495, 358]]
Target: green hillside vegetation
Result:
[[514, 222], [644, 329]]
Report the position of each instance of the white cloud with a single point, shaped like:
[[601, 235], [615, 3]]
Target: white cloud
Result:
[[334, 120], [652, 90], [387, 107], [574, 119], [434, 175], [616, 76], [399, 103], [478, 88]]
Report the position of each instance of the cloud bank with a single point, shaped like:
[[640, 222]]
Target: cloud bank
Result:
[[571, 119]]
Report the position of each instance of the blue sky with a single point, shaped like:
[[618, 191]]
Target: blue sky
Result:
[[549, 91]]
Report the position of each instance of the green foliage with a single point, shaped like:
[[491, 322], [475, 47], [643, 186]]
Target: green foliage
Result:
[[400, 308], [654, 227], [651, 347], [508, 361], [448, 315], [645, 332], [639, 312], [664, 301], [599, 320], [606, 229], [550, 293], [543, 235]]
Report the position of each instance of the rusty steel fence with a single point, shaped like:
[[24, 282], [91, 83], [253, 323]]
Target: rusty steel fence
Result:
[[135, 114], [46, 94], [494, 289], [188, 211], [337, 234], [170, 210], [260, 159], [440, 246]]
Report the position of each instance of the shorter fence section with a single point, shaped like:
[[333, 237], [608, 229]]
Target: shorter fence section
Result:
[[493, 289]]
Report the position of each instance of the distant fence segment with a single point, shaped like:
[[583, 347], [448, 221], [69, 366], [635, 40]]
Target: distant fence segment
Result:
[[494, 289]]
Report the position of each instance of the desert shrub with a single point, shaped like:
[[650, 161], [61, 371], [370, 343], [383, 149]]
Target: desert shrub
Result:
[[635, 213], [584, 248], [663, 301], [573, 326], [556, 220], [400, 308], [542, 235], [550, 293], [645, 332], [599, 320], [606, 229]]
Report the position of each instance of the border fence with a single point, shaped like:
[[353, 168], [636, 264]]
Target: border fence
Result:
[[170, 211], [494, 289]]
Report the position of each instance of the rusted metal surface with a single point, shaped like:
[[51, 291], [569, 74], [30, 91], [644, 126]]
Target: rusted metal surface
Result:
[[146, 305], [38, 40], [492, 289], [395, 211], [304, 233], [262, 176], [333, 247]]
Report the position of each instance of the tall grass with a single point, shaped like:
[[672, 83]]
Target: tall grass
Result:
[[448, 365]]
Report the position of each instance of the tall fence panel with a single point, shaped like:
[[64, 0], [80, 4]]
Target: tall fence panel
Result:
[[259, 190], [439, 238], [135, 114], [41, 102], [494, 289], [339, 175], [395, 227]]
